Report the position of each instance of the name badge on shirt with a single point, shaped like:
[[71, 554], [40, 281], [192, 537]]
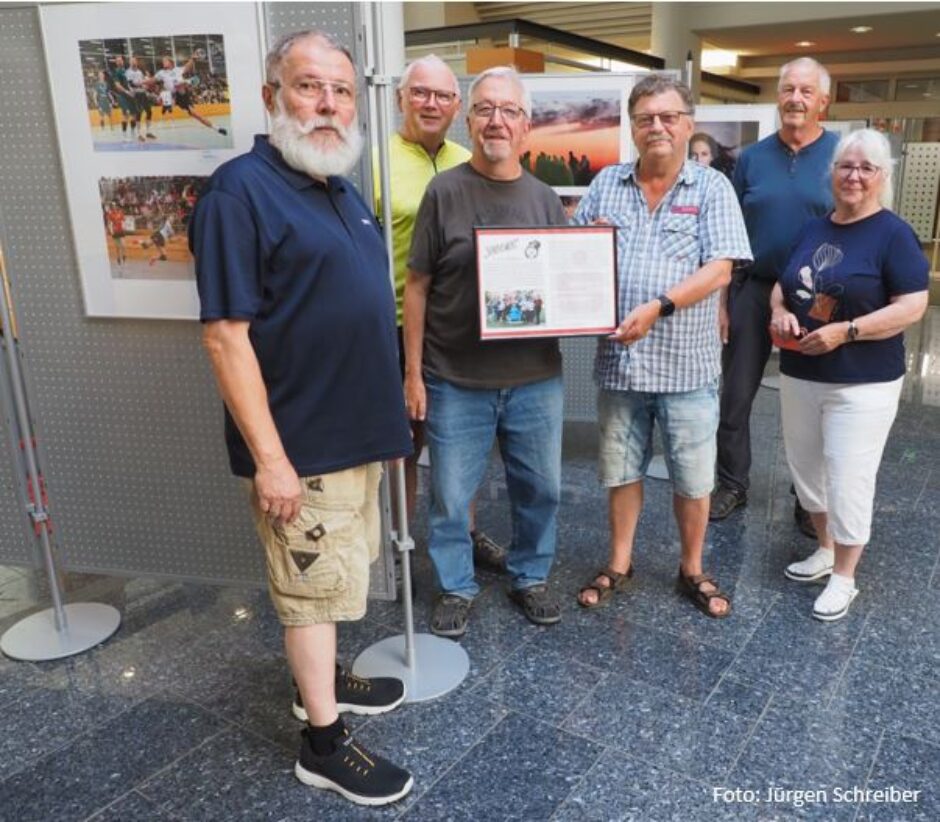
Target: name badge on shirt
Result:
[[686, 209]]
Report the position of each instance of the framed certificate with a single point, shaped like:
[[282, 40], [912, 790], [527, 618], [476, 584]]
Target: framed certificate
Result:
[[558, 281]]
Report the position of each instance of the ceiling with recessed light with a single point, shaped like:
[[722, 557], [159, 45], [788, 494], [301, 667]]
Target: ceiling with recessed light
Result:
[[630, 24]]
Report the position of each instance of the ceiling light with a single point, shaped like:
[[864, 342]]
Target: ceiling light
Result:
[[804, 44], [860, 29]]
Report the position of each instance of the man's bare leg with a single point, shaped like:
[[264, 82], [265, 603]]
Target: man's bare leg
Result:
[[692, 519], [311, 653], [624, 504]]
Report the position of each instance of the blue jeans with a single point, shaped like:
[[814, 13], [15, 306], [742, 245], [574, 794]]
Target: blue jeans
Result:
[[461, 426]]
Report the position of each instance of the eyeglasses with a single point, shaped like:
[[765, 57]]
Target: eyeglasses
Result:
[[510, 112], [865, 170], [313, 88], [667, 118], [420, 94]]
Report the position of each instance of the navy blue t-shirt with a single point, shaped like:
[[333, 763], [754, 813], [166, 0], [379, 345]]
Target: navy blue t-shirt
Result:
[[780, 190], [305, 264], [842, 272]]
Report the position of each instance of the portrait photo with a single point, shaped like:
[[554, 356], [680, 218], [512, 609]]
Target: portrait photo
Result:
[[723, 132]]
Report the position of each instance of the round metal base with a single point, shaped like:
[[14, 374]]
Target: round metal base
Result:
[[440, 665], [657, 468], [35, 638]]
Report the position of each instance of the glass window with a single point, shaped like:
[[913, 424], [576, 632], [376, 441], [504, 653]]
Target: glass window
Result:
[[910, 89], [861, 91]]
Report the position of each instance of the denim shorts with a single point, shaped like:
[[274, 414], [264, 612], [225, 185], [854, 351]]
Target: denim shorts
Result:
[[688, 421]]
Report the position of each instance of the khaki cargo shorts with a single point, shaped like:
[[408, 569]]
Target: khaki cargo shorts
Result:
[[318, 565]]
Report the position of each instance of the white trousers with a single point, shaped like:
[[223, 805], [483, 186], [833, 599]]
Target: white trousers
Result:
[[835, 434]]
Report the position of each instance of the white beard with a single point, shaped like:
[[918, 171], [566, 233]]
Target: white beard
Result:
[[496, 151], [291, 138]]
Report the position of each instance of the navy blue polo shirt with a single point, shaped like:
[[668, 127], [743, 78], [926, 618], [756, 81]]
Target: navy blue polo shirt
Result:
[[780, 190], [306, 265], [840, 272]]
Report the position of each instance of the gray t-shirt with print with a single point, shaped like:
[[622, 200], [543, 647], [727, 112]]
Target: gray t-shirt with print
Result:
[[455, 202]]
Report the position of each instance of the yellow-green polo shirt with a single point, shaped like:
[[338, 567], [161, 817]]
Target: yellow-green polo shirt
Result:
[[412, 168]]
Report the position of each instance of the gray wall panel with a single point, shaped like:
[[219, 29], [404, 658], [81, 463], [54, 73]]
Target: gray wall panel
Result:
[[127, 410]]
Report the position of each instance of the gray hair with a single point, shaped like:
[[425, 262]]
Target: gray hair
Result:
[[825, 82], [653, 84], [505, 73], [876, 150], [428, 61], [283, 45]]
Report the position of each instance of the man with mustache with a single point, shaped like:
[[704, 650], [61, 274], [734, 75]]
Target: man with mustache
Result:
[[471, 392], [782, 182], [429, 99], [680, 231], [299, 325]]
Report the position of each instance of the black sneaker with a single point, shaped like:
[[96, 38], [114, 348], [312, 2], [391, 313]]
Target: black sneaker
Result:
[[724, 501], [353, 772], [357, 695]]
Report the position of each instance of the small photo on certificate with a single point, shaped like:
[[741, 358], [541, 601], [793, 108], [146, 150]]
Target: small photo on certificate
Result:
[[558, 281]]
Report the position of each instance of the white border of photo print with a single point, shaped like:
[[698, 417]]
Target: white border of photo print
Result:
[[64, 27]]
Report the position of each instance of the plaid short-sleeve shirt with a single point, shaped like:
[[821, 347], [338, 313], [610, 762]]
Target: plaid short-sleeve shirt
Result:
[[698, 221]]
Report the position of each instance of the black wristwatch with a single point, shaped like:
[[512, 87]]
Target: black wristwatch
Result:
[[666, 306]]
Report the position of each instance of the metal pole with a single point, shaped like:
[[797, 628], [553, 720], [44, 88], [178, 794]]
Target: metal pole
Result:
[[35, 508], [429, 666], [62, 630]]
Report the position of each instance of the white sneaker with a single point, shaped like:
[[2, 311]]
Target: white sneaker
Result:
[[833, 603], [816, 566]]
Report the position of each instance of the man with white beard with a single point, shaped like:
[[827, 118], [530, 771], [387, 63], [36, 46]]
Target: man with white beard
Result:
[[299, 325]]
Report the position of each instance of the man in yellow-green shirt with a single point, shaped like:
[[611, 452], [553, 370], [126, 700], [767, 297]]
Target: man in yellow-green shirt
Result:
[[429, 99]]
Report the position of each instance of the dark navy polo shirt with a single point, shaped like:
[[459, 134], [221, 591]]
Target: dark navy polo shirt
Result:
[[780, 190], [306, 265], [840, 272]]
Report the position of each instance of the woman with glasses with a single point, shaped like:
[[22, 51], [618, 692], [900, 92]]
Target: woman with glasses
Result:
[[855, 280]]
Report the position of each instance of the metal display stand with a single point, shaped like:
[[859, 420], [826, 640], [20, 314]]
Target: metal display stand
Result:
[[62, 630], [430, 666]]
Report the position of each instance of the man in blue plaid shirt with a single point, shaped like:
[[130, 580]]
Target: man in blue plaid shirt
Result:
[[680, 230]]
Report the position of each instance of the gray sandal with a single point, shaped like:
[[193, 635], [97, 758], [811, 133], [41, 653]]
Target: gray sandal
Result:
[[538, 604], [450, 615]]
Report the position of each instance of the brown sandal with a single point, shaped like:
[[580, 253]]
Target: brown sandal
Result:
[[691, 587], [615, 582]]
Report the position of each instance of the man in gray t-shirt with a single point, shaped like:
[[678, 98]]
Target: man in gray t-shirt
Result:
[[469, 391]]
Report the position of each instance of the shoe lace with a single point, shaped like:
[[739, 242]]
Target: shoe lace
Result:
[[356, 683], [363, 764]]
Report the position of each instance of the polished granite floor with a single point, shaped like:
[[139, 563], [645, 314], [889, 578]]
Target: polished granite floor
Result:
[[638, 711]]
